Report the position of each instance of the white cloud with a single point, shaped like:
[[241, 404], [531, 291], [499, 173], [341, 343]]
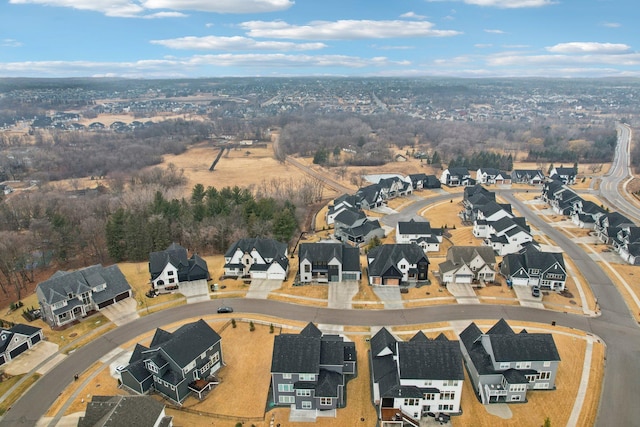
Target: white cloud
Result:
[[412, 15], [10, 43], [165, 15], [221, 6], [589, 47], [494, 31], [234, 44], [137, 9], [391, 47], [483, 45], [505, 4], [611, 24], [344, 30], [512, 59]]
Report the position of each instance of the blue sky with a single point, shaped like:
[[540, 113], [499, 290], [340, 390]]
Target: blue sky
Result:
[[412, 38]]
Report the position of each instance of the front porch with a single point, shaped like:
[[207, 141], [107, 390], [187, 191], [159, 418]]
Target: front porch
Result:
[[202, 387]]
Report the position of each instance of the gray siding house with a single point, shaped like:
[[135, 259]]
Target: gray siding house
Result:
[[16, 340], [70, 295], [309, 370], [503, 365], [176, 364], [328, 262], [401, 264]]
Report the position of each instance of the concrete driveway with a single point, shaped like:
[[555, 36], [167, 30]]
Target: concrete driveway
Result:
[[526, 299], [34, 356], [390, 296], [341, 293], [260, 288], [122, 312], [195, 291], [463, 293]]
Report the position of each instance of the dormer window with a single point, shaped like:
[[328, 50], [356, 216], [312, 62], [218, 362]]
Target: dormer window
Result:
[[69, 295]]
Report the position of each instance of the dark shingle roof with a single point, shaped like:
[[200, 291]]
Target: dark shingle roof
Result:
[[121, 411], [23, 329], [524, 347], [295, 354], [419, 337], [175, 255], [349, 256], [188, 342], [501, 327], [436, 360], [386, 256], [268, 248], [414, 227], [328, 382], [381, 340]]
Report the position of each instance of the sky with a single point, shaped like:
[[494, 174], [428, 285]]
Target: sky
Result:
[[274, 38]]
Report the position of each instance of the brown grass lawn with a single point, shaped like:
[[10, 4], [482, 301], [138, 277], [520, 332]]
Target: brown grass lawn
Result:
[[628, 273], [492, 291], [19, 391], [443, 214]]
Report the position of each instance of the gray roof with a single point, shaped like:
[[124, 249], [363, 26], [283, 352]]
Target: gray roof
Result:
[[414, 227], [175, 254], [22, 329], [524, 347], [121, 411], [327, 383], [349, 256], [58, 287], [381, 340], [387, 256], [435, 360], [464, 254], [268, 248], [187, 342], [295, 354]]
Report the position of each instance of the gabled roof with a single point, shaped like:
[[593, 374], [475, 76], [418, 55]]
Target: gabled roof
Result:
[[414, 227], [187, 343], [470, 334], [436, 360], [121, 411], [562, 171], [458, 171], [268, 248], [349, 256], [419, 337], [464, 254], [383, 257], [22, 329], [350, 217], [175, 255], [383, 340], [328, 383], [311, 330], [524, 347], [501, 327]]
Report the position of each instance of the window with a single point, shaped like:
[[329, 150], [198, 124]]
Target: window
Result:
[[170, 273], [445, 407], [447, 395], [544, 375], [450, 383], [307, 377], [306, 404], [152, 367], [286, 376], [523, 365], [516, 397], [505, 365], [304, 392], [285, 388], [428, 383], [172, 280], [286, 399], [518, 387], [429, 396], [546, 364], [531, 378], [325, 401], [411, 402], [215, 357], [307, 268]]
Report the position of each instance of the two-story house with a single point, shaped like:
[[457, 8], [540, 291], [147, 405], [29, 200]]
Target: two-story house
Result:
[[400, 264], [503, 365], [355, 228], [455, 177], [468, 264], [172, 266], [421, 181], [492, 176], [506, 235], [176, 364], [68, 296], [609, 224], [533, 267], [343, 202], [527, 176], [131, 411], [328, 262], [419, 232], [257, 258], [16, 340], [566, 175], [413, 378], [310, 370]]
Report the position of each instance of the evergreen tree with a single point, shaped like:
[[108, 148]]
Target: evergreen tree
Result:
[[115, 235]]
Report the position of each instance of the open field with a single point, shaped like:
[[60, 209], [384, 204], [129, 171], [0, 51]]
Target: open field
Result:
[[626, 272]]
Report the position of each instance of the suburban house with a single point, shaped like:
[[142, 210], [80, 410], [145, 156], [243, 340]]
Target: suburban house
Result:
[[328, 262], [627, 244], [257, 258], [505, 236], [455, 177], [413, 378], [527, 176], [369, 197], [419, 232], [586, 213], [176, 364], [503, 365], [343, 202], [421, 181], [533, 267], [16, 340], [68, 296], [566, 175], [171, 267], [310, 370], [608, 225], [130, 411], [468, 264], [492, 176], [393, 187], [355, 228], [401, 264]]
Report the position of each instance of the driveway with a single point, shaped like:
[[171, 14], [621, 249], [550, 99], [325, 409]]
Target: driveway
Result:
[[341, 293], [34, 356], [390, 296], [260, 288], [122, 312], [463, 293], [523, 293], [195, 291]]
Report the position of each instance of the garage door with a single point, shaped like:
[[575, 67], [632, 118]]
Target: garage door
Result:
[[2, 361], [275, 276], [349, 276], [20, 349], [393, 282], [35, 339], [463, 278]]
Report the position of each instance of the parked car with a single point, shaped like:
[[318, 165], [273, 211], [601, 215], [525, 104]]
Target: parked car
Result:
[[535, 291], [120, 368], [225, 309]]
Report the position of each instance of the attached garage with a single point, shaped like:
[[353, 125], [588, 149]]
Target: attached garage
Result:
[[350, 276], [35, 339], [276, 275], [122, 296], [463, 278], [18, 350], [2, 359], [392, 281]]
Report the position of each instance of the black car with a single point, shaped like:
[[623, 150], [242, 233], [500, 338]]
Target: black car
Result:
[[225, 309]]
